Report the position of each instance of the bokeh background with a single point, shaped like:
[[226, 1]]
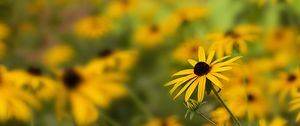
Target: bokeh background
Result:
[[137, 45]]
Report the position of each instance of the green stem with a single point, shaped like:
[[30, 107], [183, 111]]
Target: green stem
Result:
[[109, 119], [206, 118], [225, 106], [139, 103]]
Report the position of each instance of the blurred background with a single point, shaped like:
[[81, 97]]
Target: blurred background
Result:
[[50, 49]]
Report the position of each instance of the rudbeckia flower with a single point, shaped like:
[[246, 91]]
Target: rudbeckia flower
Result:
[[149, 36], [204, 68], [278, 121], [279, 38], [34, 81], [187, 49], [169, 121], [84, 92], [92, 27], [238, 37], [286, 84], [14, 102], [57, 55]]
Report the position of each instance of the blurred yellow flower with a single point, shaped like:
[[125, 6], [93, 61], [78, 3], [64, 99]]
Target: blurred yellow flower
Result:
[[221, 116], [279, 38], [202, 69], [169, 121], [92, 27], [14, 103], [33, 81], [295, 105], [278, 121], [84, 91], [149, 36], [117, 8], [286, 84], [57, 55], [236, 38], [186, 50], [4, 30]]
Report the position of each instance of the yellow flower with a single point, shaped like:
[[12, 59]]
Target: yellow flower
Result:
[[278, 121], [186, 50], [84, 91], [57, 55], [286, 84], [169, 121], [226, 42], [295, 105], [92, 27], [149, 36], [117, 8], [14, 103], [4, 30], [279, 38], [115, 59], [204, 68], [33, 81]]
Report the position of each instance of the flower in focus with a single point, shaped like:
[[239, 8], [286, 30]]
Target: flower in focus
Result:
[[169, 121], [149, 36], [57, 55], [202, 69], [34, 81], [84, 91], [236, 38], [14, 103], [92, 27], [187, 49], [286, 84]]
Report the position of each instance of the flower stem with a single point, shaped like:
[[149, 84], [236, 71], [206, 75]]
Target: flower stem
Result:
[[139, 103], [206, 118], [109, 119], [225, 106]]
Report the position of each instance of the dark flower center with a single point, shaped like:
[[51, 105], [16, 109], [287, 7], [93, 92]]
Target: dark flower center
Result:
[[279, 35], [201, 68], [105, 53], [71, 78], [232, 34], [34, 71], [250, 97], [291, 78], [154, 29]]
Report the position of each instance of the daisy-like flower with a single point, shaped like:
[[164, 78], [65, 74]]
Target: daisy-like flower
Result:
[[57, 55], [238, 37], [92, 27], [84, 91], [203, 69], [149, 36], [277, 121], [15, 104]]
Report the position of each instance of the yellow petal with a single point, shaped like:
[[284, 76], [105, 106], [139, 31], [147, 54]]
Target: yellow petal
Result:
[[179, 79], [298, 117], [201, 89], [214, 80], [221, 76], [201, 54], [221, 69], [184, 72], [185, 86], [192, 62], [294, 107], [191, 89], [219, 60], [210, 57], [295, 101], [232, 60], [178, 84]]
